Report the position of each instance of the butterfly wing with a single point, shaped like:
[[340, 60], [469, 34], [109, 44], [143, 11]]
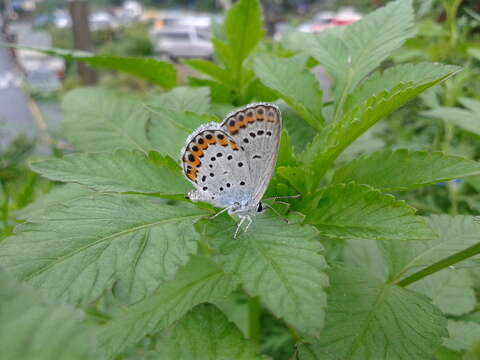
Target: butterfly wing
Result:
[[257, 127], [217, 167]]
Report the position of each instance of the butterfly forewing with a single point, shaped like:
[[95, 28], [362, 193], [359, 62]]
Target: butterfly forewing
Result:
[[216, 164], [257, 129]]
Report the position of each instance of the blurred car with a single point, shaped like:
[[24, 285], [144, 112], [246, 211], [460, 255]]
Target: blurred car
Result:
[[62, 19], [23, 5], [182, 42], [43, 20], [130, 12], [175, 18], [328, 19], [101, 20], [42, 71]]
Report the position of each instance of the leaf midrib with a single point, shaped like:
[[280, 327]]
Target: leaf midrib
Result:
[[106, 238], [368, 320], [290, 291]]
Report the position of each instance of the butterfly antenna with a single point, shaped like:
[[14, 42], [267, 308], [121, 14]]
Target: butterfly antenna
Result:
[[219, 213], [275, 198], [276, 212]]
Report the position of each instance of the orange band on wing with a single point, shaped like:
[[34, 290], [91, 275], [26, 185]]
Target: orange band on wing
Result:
[[241, 120]]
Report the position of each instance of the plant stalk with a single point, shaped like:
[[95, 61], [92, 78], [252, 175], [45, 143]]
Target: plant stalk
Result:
[[254, 315], [440, 265], [4, 206]]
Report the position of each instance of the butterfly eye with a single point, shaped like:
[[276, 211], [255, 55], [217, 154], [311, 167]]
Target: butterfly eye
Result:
[[259, 207]]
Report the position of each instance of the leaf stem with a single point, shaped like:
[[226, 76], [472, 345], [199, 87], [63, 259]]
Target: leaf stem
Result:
[[295, 334], [254, 314], [440, 265], [4, 207]]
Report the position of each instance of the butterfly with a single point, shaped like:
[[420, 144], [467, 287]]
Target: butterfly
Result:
[[230, 164]]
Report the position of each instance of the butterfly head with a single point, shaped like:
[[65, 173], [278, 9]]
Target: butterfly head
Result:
[[246, 208]]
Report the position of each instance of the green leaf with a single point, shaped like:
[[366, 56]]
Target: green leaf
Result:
[[359, 212], [451, 290], [281, 263], [444, 353], [467, 119], [122, 171], [74, 251], [198, 282], [296, 177], [223, 52], [168, 130], [404, 170], [455, 233], [463, 335], [205, 334], [243, 27], [174, 115], [154, 71], [286, 154], [299, 131], [367, 257], [183, 98], [211, 69], [353, 53], [294, 84], [399, 78], [367, 319], [58, 195], [336, 137], [32, 329], [99, 120]]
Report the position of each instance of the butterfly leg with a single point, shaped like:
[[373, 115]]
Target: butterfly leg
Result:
[[242, 220], [250, 221], [277, 213]]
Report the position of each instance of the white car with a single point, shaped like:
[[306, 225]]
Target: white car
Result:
[[182, 42]]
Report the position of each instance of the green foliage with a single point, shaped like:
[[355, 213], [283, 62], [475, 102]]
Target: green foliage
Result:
[[404, 170], [337, 136], [451, 290], [465, 118], [360, 212], [367, 318], [35, 329], [204, 334], [76, 250], [234, 80], [102, 120], [350, 55], [356, 273], [122, 171], [281, 263], [463, 335], [243, 28], [294, 84], [198, 282], [58, 195]]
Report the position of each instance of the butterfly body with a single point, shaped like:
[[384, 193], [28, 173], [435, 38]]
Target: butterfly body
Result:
[[231, 163]]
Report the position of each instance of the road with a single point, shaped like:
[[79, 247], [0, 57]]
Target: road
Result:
[[15, 115]]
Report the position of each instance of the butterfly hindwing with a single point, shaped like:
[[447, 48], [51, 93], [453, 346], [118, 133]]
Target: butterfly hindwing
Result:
[[216, 164], [257, 127]]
